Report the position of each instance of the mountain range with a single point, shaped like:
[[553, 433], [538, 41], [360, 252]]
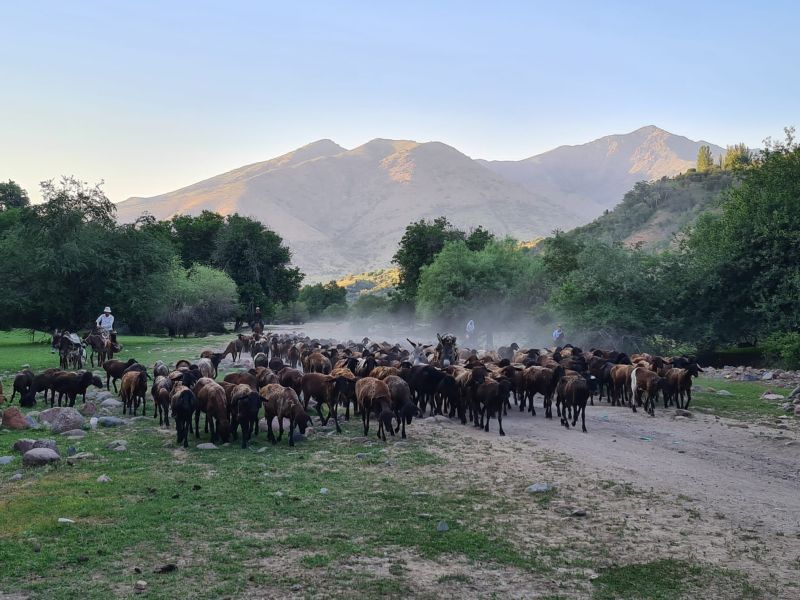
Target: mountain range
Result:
[[344, 211]]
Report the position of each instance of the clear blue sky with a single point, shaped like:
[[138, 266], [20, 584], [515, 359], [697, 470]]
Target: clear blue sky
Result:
[[151, 96]]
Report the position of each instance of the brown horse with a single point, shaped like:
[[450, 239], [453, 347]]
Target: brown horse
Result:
[[104, 347]]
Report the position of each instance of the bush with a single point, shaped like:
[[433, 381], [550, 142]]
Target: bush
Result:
[[783, 349], [291, 313]]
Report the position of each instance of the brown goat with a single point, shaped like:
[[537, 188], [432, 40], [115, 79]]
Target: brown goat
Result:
[[211, 399], [133, 389], [160, 391], [620, 384], [647, 383], [73, 384], [282, 403], [114, 370], [679, 382], [404, 409], [572, 394], [373, 395]]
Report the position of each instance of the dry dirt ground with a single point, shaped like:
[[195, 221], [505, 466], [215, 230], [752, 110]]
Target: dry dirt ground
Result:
[[707, 490]]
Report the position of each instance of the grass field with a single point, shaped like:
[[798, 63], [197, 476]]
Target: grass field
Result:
[[255, 523]]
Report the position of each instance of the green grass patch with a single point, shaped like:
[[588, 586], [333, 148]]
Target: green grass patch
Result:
[[670, 579], [744, 403]]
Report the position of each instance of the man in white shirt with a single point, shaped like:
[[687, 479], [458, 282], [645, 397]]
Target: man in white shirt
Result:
[[106, 320]]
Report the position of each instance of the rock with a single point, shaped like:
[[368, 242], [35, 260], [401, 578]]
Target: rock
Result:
[[361, 456], [323, 491], [65, 520], [16, 477], [46, 443], [359, 439], [797, 411], [578, 512], [749, 377], [260, 450], [429, 420], [104, 479], [787, 407], [23, 445], [723, 393], [116, 444], [167, 568], [682, 412], [66, 420], [40, 456], [88, 409], [795, 392], [441, 419], [93, 423], [4, 460], [767, 376], [278, 494], [32, 422], [207, 446], [442, 526], [79, 456], [110, 421], [771, 396], [782, 426], [14, 419], [140, 585], [539, 488], [74, 433], [298, 437], [111, 403]]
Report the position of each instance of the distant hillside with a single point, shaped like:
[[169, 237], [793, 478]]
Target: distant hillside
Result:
[[592, 177], [378, 283], [652, 213], [344, 211]]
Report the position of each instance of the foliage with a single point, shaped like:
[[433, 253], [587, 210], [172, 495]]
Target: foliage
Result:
[[737, 157], [291, 313], [255, 257], [320, 296], [783, 349], [197, 299], [194, 236], [420, 244], [370, 306], [12, 196], [705, 160], [460, 282], [380, 281]]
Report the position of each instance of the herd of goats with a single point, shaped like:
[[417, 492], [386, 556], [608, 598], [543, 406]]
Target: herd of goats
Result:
[[383, 380]]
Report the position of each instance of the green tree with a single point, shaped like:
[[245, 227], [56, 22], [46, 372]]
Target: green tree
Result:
[[195, 236], [12, 196], [320, 296], [420, 244], [478, 238], [705, 160], [736, 157], [258, 261]]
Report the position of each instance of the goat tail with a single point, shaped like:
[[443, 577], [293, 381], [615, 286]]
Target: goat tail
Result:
[[633, 385]]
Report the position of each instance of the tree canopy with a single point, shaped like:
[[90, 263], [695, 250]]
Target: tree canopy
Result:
[[12, 196]]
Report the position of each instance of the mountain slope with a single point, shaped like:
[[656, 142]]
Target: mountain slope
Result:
[[344, 211], [593, 177], [652, 214]]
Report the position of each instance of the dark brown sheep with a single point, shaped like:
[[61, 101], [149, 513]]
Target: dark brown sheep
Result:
[[22, 383], [373, 395], [114, 370], [282, 403], [160, 391], [133, 389], [211, 400], [73, 384]]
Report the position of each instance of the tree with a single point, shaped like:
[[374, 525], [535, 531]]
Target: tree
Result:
[[258, 261], [194, 236], [12, 196], [705, 160], [736, 157], [478, 238], [420, 244], [319, 297]]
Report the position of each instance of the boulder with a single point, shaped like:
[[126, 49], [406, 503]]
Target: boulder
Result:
[[4, 460], [32, 422], [110, 421], [767, 376], [67, 420], [46, 443], [75, 433], [797, 410], [207, 446], [23, 445], [40, 456], [116, 444], [682, 412], [111, 403], [14, 419], [88, 409]]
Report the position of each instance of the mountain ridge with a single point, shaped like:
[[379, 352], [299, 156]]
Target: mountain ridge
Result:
[[344, 210]]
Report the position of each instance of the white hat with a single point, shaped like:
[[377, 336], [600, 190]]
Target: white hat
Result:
[[107, 309]]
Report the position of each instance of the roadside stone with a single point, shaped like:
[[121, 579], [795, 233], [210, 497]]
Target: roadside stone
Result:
[[66, 420], [140, 586], [539, 488], [442, 526], [88, 409], [4, 460], [40, 456], [723, 393], [23, 445], [111, 403], [104, 479], [46, 443], [207, 446], [110, 421], [768, 376], [14, 419], [74, 433]]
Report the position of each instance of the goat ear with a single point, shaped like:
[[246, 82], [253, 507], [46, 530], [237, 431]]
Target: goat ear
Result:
[[413, 345]]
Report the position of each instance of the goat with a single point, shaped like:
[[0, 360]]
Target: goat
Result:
[[247, 408], [325, 389], [41, 382], [680, 384], [22, 383], [211, 399], [282, 402], [133, 389], [160, 391], [404, 409], [73, 384], [160, 369], [373, 395], [214, 357], [645, 381], [572, 393], [183, 404], [114, 370]]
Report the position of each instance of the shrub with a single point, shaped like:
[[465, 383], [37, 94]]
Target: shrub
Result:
[[784, 349]]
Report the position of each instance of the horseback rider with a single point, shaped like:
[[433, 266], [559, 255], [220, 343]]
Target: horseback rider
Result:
[[105, 322]]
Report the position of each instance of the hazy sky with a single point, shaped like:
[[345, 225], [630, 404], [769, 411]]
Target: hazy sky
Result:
[[152, 96]]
